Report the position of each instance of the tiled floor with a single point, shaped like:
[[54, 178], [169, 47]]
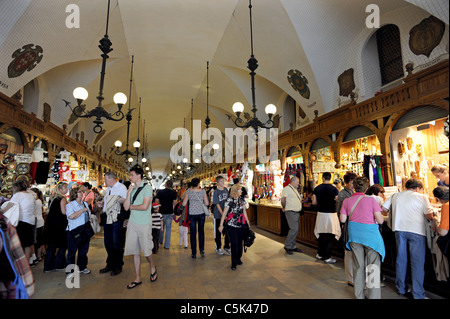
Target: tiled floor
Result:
[[267, 273]]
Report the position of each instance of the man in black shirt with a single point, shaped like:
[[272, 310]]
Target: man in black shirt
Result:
[[327, 222], [167, 198]]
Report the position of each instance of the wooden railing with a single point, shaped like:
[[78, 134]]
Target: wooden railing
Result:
[[13, 115]]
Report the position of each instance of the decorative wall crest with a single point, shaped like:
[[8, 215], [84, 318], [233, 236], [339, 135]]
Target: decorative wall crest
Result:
[[299, 83], [24, 59], [425, 36], [346, 82]]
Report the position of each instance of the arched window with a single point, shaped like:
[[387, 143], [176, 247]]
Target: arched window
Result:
[[389, 53]]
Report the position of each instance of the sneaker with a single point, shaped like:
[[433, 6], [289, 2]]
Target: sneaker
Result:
[[219, 251], [84, 271], [318, 257], [227, 251], [330, 261]]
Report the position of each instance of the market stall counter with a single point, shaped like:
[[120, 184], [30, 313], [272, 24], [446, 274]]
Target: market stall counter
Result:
[[269, 217]]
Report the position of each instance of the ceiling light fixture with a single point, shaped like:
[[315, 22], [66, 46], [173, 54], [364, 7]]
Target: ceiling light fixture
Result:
[[81, 94], [238, 107]]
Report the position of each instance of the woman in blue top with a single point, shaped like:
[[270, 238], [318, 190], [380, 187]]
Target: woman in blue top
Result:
[[77, 213]]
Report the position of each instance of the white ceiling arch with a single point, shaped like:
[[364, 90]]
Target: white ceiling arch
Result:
[[171, 41]]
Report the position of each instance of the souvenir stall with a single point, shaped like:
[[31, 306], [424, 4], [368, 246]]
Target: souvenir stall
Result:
[[361, 153], [416, 149], [268, 184], [294, 166], [418, 142], [321, 160], [10, 144]]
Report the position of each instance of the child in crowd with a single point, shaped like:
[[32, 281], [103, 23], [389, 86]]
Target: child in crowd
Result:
[[157, 223], [183, 227]]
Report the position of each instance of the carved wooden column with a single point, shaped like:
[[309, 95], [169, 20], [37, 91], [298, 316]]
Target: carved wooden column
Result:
[[386, 159]]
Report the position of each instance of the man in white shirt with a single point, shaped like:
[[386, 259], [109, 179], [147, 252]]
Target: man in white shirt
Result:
[[410, 211], [292, 205], [113, 224]]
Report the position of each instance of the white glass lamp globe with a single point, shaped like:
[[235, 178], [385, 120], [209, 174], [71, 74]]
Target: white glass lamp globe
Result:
[[271, 109], [238, 107], [120, 98], [130, 159], [118, 144], [80, 93], [216, 146], [144, 160], [137, 144], [198, 146]]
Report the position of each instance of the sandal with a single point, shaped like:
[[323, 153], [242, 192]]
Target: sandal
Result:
[[153, 275], [134, 284]]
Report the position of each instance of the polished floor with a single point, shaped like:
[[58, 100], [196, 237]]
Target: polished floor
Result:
[[267, 273]]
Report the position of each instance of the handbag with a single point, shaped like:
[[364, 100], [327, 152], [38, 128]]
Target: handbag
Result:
[[345, 228], [82, 233], [249, 237]]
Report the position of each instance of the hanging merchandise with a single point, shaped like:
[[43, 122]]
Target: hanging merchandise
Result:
[[64, 156], [354, 152], [372, 169], [416, 149]]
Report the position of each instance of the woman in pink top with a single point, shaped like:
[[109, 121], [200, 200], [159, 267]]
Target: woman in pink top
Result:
[[365, 240], [88, 195]]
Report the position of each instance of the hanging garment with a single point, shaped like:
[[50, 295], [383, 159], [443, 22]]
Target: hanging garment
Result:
[[379, 170]]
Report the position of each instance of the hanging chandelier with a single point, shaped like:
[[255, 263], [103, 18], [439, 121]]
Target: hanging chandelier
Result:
[[238, 107], [81, 94], [137, 144]]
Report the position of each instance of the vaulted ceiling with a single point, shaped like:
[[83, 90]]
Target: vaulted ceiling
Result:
[[172, 40]]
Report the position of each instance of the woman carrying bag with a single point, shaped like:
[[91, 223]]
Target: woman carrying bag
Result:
[[198, 200], [78, 214], [236, 223], [364, 238]]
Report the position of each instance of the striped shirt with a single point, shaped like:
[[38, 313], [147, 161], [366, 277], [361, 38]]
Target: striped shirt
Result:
[[156, 220]]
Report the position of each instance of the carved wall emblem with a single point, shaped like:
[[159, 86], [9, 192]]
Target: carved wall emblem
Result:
[[25, 59], [425, 36], [346, 82], [299, 83]]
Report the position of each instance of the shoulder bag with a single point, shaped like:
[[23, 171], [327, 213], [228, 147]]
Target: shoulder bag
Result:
[[345, 229], [82, 233], [302, 211]]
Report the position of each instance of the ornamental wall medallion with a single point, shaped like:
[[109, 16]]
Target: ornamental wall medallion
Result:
[[25, 59], [346, 82], [299, 83], [425, 36]]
